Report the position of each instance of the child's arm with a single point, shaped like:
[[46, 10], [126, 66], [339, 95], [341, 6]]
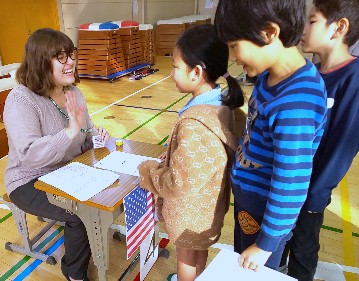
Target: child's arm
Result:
[[296, 126], [195, 157]]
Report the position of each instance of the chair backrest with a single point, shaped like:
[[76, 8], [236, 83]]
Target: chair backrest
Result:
[[4, 148], [3, 95]]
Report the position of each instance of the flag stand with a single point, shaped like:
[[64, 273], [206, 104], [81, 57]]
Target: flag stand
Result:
[[162, 252]]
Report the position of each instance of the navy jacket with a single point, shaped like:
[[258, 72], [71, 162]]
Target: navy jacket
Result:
[[340, 142]]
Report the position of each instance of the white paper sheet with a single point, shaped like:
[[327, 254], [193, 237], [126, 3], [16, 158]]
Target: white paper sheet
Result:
[[122, 162], [79, 180], [225, 267]]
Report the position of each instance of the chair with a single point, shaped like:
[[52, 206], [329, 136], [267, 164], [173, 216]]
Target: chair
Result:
[[21, 224], [6, 84]]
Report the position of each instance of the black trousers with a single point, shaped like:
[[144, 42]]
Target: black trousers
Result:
[[75, 261], [304, 246]]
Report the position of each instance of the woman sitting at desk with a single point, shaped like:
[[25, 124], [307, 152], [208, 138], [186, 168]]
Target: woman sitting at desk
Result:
[[48, 125]]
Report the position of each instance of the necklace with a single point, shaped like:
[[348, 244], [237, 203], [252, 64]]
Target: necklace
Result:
[[67, 118], [59, 109]]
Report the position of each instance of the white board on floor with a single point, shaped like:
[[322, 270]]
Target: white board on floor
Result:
[[225, 267]]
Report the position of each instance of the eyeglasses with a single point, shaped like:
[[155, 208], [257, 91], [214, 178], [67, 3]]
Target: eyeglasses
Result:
[[63, 56]]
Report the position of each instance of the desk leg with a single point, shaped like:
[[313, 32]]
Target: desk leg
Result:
[[97, 223]]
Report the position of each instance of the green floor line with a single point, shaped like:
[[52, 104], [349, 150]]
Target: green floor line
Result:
[[13, 269], [338, 230], [139, 127], [6, 217], [153, 117], [177, 101], [163, 141]]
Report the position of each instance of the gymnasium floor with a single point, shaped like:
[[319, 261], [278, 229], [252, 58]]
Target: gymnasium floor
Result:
[[145, 110]]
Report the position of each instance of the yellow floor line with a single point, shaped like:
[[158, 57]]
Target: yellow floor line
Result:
[[348, 242]]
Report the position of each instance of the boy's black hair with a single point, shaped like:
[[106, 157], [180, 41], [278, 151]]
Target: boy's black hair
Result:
[[200, 45], [334, 10], [245, 19]]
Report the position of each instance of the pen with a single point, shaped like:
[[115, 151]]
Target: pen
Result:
[[90, 130]]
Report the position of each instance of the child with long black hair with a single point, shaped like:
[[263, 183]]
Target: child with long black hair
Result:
[[192, 184]]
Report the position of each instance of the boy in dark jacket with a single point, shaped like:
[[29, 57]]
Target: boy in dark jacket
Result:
[[331, 27]]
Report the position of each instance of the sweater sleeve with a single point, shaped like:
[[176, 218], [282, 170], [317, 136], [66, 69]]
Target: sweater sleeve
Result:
[[296, 126], [24, 130], [189, 166]]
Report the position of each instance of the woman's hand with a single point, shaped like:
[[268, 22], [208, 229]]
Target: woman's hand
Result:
[[253, 257], [105, 136], [75, 113]]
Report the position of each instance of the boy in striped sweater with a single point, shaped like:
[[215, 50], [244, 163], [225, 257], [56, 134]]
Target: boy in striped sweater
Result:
[[286, 117]]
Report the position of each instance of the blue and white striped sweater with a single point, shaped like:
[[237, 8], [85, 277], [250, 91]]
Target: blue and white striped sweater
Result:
[[274, 158]]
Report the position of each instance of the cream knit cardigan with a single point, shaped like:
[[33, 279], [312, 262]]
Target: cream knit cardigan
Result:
[[193, 185]]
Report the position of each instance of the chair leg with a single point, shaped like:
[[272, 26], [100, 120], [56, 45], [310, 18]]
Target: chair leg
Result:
[[21, 224], [27, 248]]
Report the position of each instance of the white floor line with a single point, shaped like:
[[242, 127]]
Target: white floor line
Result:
[[5, 207], [351, 269], [104, 108], [3, 157], [329, 272]]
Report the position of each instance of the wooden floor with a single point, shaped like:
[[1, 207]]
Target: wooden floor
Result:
[[145, 110]]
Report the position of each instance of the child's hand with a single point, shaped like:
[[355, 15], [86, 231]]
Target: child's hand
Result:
[[253, 257], [105, 136], [163, 156]]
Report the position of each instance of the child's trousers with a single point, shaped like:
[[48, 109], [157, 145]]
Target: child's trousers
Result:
[[246, 235], [304, 246]]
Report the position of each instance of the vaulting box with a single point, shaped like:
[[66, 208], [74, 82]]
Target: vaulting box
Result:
[[100, 52], [147, 42]]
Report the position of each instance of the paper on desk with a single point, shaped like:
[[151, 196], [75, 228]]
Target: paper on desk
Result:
[[123, 162], [79, 180], [225, 267]]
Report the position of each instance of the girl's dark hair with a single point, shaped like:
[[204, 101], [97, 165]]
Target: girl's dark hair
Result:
[[35, 71], [246, 19], [334, 10], [200, 45]]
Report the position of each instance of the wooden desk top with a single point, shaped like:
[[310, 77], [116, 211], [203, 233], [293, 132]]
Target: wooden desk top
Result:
[[110, 198]]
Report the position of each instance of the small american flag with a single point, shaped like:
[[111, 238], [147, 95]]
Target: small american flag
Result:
[[139, 217]]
